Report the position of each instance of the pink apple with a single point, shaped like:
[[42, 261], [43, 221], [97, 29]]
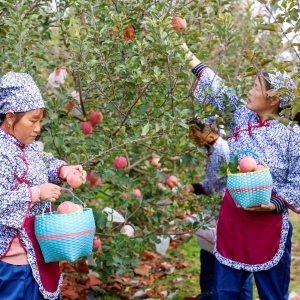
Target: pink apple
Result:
[[67, 207], [180, 24], [247, 164], [74, 178], [96, 118], [79, 207], [259, 168], [120, 163], [155, 162], [128, 230], [69, 106], [86, 127], [98, 182], [137, 193], [171, 181], [97, 244]]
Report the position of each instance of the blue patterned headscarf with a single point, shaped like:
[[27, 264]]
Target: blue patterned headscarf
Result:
[[277, 80], [19, 93]]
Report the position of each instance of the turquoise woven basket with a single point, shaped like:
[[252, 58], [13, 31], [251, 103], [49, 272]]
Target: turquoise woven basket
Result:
[[253, 188], [65, 236]]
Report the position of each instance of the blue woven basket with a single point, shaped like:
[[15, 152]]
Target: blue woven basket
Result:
[[252, 188], [65, 236]]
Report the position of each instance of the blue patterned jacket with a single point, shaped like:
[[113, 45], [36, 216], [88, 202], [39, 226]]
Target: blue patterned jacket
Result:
[[22, 167], [275, 143]]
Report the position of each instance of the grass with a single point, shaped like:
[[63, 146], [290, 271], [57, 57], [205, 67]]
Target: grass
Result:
[[189, 286]]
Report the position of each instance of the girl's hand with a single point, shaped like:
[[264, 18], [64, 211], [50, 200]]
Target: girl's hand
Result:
[[49, 192], [263, 207], [65, 169]]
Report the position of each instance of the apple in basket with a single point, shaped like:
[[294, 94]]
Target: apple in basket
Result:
[[247, 164], [68, 207], [74, 178]]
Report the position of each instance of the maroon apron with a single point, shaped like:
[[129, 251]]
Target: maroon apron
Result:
[[246, 236], [49, 272]]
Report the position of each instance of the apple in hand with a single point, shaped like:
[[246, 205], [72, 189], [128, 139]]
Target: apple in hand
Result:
[[180, 24], [171, 181], [96, 118], [86, 127], [74, 178], [120, 163]]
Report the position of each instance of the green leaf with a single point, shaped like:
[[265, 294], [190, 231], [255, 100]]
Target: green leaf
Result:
[[186, 159], [145, 129], [268, 27], [295, 110], [183, 125], [233, 165]]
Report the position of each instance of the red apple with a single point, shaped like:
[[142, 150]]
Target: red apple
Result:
[[155, 162], [91, 177], [129, 31], [67, 207], [137, 193], [120, 163], [180, 24], [259, 168], [171, 181], [79, 207], [247, 164], [86, 127], [74, 178], [96, 118], [69, 106], [97, 244], [98, 182]]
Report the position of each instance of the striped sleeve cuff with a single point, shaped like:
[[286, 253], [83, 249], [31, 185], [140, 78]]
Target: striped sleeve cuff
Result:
[[198, 69], [279, 203], [198, 189]]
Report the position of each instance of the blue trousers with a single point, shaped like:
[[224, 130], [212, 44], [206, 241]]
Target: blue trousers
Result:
[[271, 284], [17, 283], [207, 278]]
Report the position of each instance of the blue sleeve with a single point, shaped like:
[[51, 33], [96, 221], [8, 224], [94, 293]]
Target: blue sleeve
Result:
[[15, 199]]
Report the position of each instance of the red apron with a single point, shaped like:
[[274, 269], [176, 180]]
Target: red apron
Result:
[[245, 236], [49, 272]]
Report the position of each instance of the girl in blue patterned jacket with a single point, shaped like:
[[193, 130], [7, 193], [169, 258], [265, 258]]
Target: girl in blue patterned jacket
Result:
[[256, 239], [205, 135], [28, 178]]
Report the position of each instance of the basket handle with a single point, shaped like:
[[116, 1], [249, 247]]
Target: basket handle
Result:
[[244, 151], [73, 197]]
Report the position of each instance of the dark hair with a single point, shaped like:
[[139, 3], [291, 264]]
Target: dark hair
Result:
[[19, 116], [197, 122]]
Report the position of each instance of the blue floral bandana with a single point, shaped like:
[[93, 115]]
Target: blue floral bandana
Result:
[[19, 93]]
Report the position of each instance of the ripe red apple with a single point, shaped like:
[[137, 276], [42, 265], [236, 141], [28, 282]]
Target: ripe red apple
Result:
[[180, 24], [86, 127], [259, 168], [96, 118], [171, 181], [120, 163], [247, 164], [98, 182], [128, 230], [74, 178], [69, 106], [155, 162], [67, 207], [91, 177], [137, 193], [97, 244]]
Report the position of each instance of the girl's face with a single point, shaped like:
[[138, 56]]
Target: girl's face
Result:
[[201, 138], [29, 126], [257, 98]]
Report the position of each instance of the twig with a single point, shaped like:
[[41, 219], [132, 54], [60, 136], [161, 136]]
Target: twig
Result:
[[80, 94]]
